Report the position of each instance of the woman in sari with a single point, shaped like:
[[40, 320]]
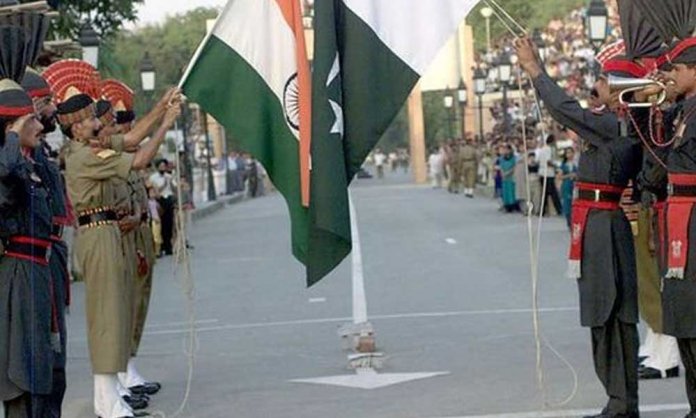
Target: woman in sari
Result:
[[507, 163]]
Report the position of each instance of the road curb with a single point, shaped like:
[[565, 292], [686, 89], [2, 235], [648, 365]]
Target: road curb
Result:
[[209, 208]]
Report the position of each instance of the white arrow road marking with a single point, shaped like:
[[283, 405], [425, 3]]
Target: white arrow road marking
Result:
[[369, 379]]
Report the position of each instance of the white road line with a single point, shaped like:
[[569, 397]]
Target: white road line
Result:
[[373, 317], [451, 241], [577, 412], [227, 260], [317, 300], [181, 323]]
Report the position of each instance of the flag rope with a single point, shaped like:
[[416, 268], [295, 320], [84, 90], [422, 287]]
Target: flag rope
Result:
[[182, 258], [534, 250]]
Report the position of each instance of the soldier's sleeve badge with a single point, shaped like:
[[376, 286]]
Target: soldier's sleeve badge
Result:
[[106, 154]]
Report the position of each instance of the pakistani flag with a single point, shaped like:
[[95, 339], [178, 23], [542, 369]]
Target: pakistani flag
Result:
[[368, 56], [251, 73]]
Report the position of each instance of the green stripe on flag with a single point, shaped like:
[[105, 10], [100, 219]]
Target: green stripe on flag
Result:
[[229, 89], [371, 88]]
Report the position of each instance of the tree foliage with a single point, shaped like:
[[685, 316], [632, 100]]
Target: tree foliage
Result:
[[170, 45], [529, 13], [107, 17], [440, 126]]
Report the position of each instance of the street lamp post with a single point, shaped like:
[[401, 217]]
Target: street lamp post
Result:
[[449, 105], [597, 26], [147, 79], [212, 195], [597, 23], [463, 99], [89, 41], [186, 159], [504, 75], [487, 12], [147, 74], [480, 90]]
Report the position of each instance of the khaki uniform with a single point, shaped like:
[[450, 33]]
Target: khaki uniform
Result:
[[99, 252], [124, 209], [649, 298], [649, 295], [469, 165], [455, 165], [145, 248]]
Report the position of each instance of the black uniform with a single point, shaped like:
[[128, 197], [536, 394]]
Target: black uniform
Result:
[[608, 289], [679, 295], [26, 351], [58, 263]]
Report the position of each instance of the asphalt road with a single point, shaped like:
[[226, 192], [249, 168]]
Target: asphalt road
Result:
[[448, 289]]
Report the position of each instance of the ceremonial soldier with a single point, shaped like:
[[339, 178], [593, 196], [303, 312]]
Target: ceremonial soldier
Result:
[[469, 166], [127, 221], [455, 168], [90, 170], [49, 170], [679, 285], [28, 328], [602, 257], [121, 99], [658, 354]]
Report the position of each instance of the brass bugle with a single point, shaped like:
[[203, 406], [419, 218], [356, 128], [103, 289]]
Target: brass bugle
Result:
[[626, 85]]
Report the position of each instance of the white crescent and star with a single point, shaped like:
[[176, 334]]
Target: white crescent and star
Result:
[[334, 73]]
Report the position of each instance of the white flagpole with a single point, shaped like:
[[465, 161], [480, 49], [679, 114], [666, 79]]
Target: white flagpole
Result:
[[358, 279]]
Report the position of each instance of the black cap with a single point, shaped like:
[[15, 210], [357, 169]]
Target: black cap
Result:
[[35, 85], [124, 116], [75, 109]]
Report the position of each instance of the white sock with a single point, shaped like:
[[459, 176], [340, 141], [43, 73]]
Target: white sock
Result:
[[107, 401], [665, 353], [121, 387], [134, 378]]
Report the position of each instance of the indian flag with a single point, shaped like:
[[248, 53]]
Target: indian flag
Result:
[[251, 73], [368, 56]]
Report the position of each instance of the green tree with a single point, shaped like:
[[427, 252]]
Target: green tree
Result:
[[436, 120], [106, 16], [171, 46], [396, 135], [529, 13]]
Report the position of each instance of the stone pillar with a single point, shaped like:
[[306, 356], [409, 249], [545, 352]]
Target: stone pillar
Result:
[[416, 133], [466, 62], [217, 138]]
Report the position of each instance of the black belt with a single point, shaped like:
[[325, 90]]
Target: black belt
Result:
[[97, 218], [598, 196], [678, 190]]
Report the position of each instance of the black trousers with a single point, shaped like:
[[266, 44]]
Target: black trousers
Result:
[[39, 406], [167, 218], [552, 192], [687, 350], [615, 352]]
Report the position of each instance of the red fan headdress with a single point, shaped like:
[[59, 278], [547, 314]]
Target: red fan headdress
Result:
[[70, 77], [118, 93]]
